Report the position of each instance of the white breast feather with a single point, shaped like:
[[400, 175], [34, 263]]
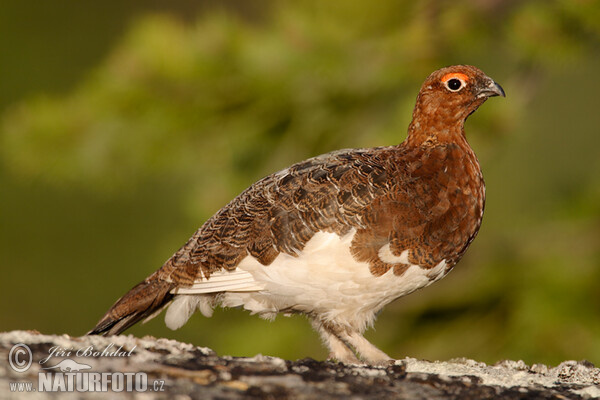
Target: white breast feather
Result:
[[385, 255]]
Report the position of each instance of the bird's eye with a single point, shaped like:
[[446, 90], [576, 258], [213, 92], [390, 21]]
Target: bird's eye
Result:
[[454, 84]]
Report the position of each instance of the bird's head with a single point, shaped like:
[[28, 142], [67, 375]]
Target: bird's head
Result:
[[448, 96]]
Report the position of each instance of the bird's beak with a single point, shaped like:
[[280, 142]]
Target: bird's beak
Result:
[[492, 89]]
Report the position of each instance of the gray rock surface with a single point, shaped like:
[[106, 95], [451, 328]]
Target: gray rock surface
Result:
[[167, 369]]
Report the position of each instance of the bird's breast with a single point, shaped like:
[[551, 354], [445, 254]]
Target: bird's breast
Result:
[[432, 215]]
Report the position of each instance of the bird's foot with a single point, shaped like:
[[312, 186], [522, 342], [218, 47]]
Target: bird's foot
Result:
[[382, 363], [345, 358]]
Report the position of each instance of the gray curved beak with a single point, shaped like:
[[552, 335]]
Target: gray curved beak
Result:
[[492, 89]]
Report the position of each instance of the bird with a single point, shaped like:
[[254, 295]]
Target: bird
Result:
[[338, 236]]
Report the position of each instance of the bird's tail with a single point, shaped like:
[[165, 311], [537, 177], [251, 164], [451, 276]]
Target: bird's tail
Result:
[[144, 301]]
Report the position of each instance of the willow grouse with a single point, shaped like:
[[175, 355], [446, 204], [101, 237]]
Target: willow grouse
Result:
[[338, 236]]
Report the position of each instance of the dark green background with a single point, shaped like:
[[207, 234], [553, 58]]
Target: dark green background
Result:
[[125, 125]]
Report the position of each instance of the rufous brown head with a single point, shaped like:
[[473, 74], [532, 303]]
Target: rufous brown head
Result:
[[448, 96]]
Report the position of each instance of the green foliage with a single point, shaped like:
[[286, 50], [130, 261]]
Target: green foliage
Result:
[[187, 115]]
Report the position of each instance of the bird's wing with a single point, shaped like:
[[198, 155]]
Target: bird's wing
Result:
[[280, 214]]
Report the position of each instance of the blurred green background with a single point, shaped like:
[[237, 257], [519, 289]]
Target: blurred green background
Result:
[[124, 125]]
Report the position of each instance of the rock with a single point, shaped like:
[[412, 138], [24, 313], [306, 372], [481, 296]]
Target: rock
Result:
[[167, 369]]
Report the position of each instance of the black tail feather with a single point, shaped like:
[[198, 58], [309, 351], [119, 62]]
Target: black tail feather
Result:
[[144, 300]]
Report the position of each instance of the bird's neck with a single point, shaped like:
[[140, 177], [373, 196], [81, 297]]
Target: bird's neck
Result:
[[435, 131], [436, 123]]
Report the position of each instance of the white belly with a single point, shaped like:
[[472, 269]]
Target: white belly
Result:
[[323, 280]]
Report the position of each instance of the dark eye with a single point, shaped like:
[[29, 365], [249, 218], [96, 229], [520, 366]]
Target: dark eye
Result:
[[454, 84]]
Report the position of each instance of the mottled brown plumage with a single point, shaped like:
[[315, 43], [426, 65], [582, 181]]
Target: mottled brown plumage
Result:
[[412, 209]]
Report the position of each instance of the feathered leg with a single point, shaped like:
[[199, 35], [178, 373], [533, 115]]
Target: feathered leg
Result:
[[338, 349], [367, 351]]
